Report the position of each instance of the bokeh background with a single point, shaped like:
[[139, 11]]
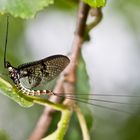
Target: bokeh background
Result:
[[112, 60]]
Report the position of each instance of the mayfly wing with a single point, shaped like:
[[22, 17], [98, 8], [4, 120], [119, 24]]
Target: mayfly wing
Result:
[[44, 70]]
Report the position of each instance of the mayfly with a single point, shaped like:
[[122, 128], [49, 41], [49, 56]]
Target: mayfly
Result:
[[35, 72], [47, 69]]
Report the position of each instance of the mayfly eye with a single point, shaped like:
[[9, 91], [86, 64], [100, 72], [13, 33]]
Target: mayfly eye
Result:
[[10, 69]]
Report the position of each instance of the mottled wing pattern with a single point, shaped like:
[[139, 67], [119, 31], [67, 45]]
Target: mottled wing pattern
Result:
[[43, 70]]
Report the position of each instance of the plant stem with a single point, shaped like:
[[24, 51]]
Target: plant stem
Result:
[[59, 133]]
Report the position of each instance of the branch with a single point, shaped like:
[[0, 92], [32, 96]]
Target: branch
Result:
[[47, 115], [67, 79]]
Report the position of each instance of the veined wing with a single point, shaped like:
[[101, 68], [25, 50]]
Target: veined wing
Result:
[[43, 70]]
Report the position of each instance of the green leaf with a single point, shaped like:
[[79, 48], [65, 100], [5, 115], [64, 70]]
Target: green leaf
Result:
[[83, 87], [8, 90], [66, 4], [3, 135], [95, 3], [26, 100], [23, 8], [82, 84]]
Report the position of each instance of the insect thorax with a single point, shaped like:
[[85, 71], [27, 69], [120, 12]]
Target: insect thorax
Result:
[[14, 74]]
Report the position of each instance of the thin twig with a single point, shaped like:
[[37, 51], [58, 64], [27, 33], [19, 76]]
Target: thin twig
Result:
[[82, 124], [66, 84], [97, 14]]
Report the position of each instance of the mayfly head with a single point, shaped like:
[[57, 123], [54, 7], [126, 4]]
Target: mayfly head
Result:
[[13, 72]]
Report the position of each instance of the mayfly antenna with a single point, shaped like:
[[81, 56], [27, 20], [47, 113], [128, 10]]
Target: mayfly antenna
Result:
[[6, 39]]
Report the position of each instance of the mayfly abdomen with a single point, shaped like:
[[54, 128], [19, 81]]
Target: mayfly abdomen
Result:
[[33, 92]]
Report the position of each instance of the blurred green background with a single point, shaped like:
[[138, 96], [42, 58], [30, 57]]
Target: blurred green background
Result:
[[112, 59]]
